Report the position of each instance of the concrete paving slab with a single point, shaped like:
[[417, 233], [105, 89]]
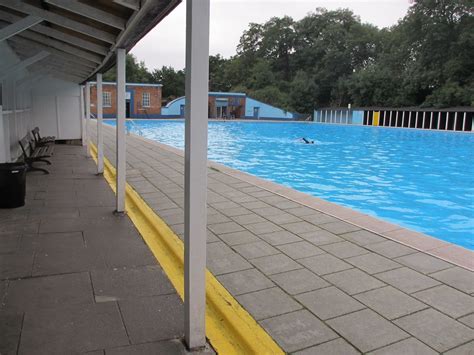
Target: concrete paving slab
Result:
[[245, 281], [334, 347], [456, 277], [268, 303], [300, 227], [407, 280], [298, 330], [237, 238], [423, 263], [16, 265], [280, 237], [373, 263], [10, 329], [225, 264], [390, 302], [153, 318], [248, 219], [274, 264], [468, 320], [300, 250], [339, 227], [367, 330], [9, 244], [465, 349], [344, 250], [363, 237], [72, 328], [318, 218], [321, 237], [436, 329], [324, 264], [124, 283], [329, 302], [256, 250], [48, 292], [390, 249], [299, 281], [226, 227], [353, 281], [447, 300], [410, 346], [263, 228]]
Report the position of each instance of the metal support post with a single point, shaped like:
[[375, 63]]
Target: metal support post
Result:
[[195, 171]]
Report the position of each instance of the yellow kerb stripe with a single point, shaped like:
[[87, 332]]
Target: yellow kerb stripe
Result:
[[229, 327]]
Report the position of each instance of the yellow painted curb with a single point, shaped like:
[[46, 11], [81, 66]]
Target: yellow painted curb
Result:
[[229, 328]]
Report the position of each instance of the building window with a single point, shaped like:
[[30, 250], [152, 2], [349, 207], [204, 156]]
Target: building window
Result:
[[107, 99], [146, 99]]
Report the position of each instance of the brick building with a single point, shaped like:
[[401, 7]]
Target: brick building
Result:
[[142, 100]]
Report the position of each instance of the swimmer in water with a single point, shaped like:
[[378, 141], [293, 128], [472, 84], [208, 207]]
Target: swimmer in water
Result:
[[307, 141]]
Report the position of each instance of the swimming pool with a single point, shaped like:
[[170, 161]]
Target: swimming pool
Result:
[[422, 180]]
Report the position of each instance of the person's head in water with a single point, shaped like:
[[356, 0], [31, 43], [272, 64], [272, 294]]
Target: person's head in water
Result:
[[307, 141]]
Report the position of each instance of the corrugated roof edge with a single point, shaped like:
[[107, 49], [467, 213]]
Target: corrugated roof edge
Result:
[[151, 13]]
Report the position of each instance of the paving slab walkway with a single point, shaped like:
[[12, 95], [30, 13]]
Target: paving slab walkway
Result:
[[316, 283], [76, 279]]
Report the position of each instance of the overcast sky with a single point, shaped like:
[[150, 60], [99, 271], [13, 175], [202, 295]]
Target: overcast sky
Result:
[[164, 45]]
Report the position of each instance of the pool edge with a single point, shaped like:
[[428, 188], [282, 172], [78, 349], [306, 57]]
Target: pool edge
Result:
[[428, 244]]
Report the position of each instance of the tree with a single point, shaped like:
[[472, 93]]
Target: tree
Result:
[[172, 81], [135, 72]]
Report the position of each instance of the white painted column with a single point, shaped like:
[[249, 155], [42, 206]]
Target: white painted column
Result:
[[396, 119], [403, 119], [88, 115], [455, 121], [447, 121], [195, 171], [431, 120], [390, 119], [82, 113], [120, 132], [464, 121], [100, 135], [439, 121], [409, 119], [347, 116], [416, 119]]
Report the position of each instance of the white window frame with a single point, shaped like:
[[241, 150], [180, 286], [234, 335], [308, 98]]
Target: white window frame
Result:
[[106, 99], [146, 99]]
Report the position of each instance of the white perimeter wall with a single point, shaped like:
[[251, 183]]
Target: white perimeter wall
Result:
[[56, 108], [28, 101]]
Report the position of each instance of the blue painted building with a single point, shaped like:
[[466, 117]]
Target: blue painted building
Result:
[[231, 105]]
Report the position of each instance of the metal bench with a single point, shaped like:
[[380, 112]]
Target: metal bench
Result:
[[42, 140], [33, 153]]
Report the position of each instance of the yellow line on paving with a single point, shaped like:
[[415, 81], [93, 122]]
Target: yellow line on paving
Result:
[[229, 328]]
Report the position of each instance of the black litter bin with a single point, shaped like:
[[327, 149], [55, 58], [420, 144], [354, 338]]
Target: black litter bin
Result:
[[12, 185]]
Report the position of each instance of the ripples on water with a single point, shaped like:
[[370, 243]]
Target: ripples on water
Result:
[[419, 179]]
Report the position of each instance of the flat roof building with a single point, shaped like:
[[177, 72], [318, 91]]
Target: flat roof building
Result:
[[142, 100]]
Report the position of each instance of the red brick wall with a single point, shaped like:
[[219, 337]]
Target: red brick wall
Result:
[[155, 100]]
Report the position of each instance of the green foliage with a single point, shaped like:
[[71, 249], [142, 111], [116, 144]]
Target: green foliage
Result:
[[172, 81], [331, 58], [136, 72]]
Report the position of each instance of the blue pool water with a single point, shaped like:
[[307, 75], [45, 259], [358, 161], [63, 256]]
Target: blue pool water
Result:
[[419, 179]]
